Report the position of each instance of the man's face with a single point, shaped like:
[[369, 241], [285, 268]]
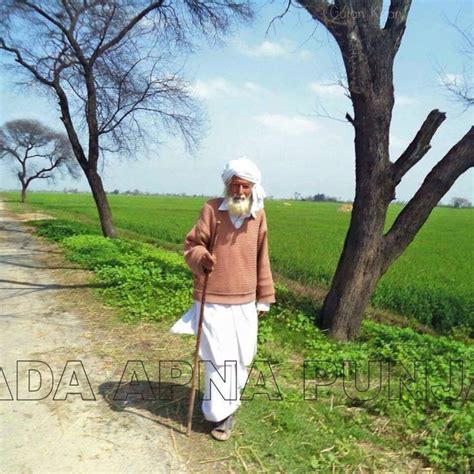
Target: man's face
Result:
[[240, 189]]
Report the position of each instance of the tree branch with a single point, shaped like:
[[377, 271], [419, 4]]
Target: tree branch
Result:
[[59, 65], [350, 119], [104, 126], [40, 173], [419, 145], [397, 20], [67, 32], [461, 87], [436, 184], [322, 11], [69, 125], [120, 35], [279, 17], [19, 59], [103, 35], [6, 150]]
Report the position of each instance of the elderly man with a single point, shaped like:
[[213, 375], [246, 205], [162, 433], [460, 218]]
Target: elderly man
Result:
[[240, 287]]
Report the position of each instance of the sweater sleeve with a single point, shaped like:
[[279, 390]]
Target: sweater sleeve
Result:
[[197, 241], [265, 288]]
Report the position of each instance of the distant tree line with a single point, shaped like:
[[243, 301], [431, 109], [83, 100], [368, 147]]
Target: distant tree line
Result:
[[137, 192], [319, 197], [460, 202], [457, 202]]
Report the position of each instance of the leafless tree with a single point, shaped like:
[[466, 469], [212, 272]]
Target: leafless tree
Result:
[[36, 152], [110, 63], [368, 45]]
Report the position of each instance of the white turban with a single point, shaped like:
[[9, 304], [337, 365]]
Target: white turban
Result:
[[246, 169]]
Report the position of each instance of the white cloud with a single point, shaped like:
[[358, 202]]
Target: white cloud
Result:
[[328, 90], [450, 79], [270, 49], [217, 87], [398, 142], [253, 86], [404, 100], [222, 88], [288, 125], [304, 54]]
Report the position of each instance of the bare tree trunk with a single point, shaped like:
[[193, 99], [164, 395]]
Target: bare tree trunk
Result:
[[356, 277], [362, 262], [89, 166], [358, 271], [24, 182], [100, 198], [23, 193]]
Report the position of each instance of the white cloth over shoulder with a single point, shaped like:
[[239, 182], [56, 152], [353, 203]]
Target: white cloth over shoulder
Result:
[[246, 169]]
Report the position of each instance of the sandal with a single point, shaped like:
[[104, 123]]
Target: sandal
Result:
[[223, 429]]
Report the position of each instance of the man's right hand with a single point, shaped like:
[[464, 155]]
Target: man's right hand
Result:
[[207, 262]]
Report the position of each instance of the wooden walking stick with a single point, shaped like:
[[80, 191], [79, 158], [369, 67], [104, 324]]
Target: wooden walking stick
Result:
[[198, 339]]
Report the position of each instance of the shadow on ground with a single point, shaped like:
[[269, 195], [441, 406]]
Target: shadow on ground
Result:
[[163, 402], [49, 286]]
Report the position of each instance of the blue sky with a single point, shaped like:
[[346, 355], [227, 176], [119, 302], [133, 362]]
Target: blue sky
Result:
[[266, 95]]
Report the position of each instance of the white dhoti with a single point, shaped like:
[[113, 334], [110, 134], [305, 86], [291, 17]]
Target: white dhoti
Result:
[[228, 345]]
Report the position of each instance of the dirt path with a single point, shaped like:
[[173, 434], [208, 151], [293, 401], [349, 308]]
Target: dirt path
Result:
[[49, 435]]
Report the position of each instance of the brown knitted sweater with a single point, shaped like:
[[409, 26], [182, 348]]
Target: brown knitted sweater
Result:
[[242, 271]]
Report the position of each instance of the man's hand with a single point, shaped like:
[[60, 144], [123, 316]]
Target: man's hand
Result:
[[262, 309], [207, 262]]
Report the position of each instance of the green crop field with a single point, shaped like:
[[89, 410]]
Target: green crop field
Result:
[[431, 281]]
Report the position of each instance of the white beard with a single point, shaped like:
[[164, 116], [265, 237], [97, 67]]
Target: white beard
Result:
[[239, 207]]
